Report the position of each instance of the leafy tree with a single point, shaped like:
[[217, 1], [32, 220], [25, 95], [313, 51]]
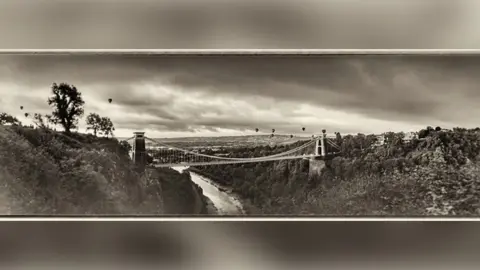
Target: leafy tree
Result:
[[94, 122], [6, 118], [125, 146], [423, 133], [67, 103], [106, 126], [338, 138]]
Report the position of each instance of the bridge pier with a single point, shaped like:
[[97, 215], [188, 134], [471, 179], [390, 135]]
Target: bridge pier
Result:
[[139, 152]]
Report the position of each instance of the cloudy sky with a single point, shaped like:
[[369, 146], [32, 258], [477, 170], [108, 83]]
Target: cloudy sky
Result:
[[232, 95]]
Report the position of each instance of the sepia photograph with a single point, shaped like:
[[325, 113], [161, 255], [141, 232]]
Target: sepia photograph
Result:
[[222, 134], [239, 135]]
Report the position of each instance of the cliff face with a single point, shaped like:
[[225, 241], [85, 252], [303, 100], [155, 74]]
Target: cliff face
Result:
[[45, 172], [437, 175], [180, 195]]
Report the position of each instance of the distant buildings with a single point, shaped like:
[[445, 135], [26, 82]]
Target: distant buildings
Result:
[[409, 136]]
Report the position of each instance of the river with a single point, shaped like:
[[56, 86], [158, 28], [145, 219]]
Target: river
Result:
[[224, 202]]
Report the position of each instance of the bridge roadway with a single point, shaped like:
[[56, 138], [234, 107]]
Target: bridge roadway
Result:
[[231, 161]]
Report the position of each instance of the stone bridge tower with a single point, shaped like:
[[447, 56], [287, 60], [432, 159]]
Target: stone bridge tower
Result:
[[317, 163], [139, 152]]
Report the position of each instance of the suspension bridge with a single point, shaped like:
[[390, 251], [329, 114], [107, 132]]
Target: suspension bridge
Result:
[[165, 155]]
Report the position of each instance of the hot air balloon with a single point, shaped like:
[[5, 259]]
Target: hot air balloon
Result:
[[291, 136], [271, 136], [26, 114], [303, 128], [21, 107], [323, 131], [256, 130], [110, 100], [273, 130]]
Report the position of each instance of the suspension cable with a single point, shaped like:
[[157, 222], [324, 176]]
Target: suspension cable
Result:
[[334, 144], [225, 158], [238, 159]]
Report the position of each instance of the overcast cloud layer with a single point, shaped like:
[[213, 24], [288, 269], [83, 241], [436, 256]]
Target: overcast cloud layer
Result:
[[222, 24], [226, 95]]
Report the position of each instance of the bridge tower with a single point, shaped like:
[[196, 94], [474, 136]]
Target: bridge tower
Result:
[[139, 153], [320, 145], [317, 163]]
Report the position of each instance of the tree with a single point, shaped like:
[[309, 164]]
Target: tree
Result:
[[422, 133], [338, 138], [125, 146], [42, 121], [106, 126], [94, 122], [67, 103], [6, 118], [389, 137]]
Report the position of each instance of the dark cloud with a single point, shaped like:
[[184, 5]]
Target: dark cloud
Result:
[[240, 92]]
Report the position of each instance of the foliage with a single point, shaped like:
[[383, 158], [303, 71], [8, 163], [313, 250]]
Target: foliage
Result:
[[106, 126], [46, 172], [42, 121], [50, 173], [93, 122], [103, 125], [436, 175], [179, 193], [6, 118], [67, 103], [126, 147]]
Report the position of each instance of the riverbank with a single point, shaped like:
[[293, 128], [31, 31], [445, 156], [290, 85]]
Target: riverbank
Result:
[[239, 203], [211, 209], [221, 201]]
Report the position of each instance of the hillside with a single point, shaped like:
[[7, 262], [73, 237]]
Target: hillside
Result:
[[436, 175], [47, 172]]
